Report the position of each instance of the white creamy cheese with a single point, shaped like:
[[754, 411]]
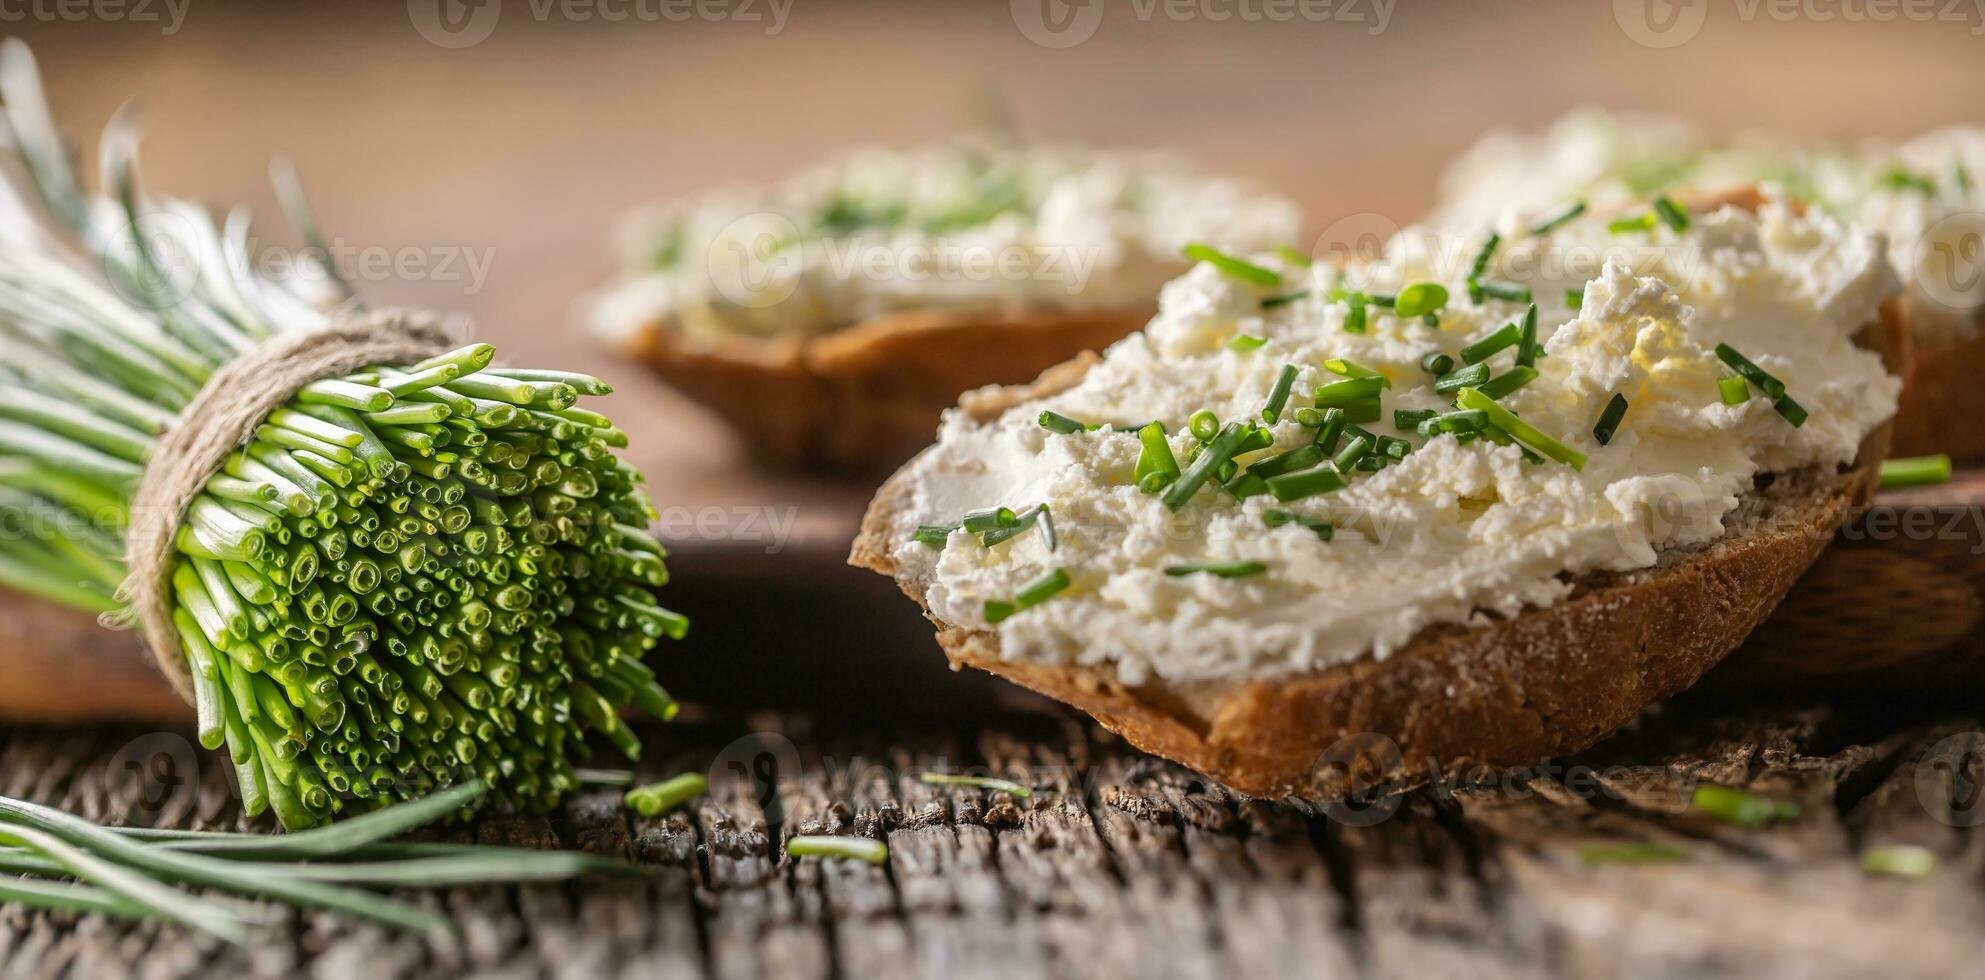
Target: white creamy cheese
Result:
[[1926, 195], [965, 223], [1452, 532]]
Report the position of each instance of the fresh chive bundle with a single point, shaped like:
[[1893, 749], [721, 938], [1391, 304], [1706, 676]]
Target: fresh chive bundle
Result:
[[409, 576]]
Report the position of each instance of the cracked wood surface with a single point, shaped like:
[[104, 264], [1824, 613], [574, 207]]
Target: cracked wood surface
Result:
[[1120, 865]]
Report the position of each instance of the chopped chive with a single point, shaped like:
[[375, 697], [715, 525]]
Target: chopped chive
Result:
[[853, 848], [997, 610], [1463, 420], [1057, 422], [1896, 178], [1480, 264], [1021, 525], [1372, 463], [1609, 419], [1644, 221], [1526, 341], [1354, 315], [1520, 430], [1278, 396], [1244, 485], [1508, 381], [1483, 349], [1750, 372], [1258, 437], [934, 535], [1277, 518], [1733, 390], [1791, 410], [1394, 448], [1231, 266], [1203, 425], [1309, 417], [1006, 786], [1154, 458], [1436, 363], [1575, 298], [1342, 393], [1493, 289], [1224, 569], [657, 799], [1900, 860], [1348, 368], [1300, 458], [1216, 454], [1284, 299], [1407, 419], [1735, 806], [1420, 299], [1042, 589], [1334, 421], [1293, 256], [1458, 379], [1245, 342], [1629, 852], [1305, 483], [1363, 411], [1671, 213], [1353, 451], [1430, 320], [1916, 471], [1386, 300], [1555, 221], [1154, 482], [979, 521]]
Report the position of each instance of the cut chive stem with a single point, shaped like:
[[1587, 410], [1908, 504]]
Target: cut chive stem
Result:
[[1558, 220], [1278, 396], [1224, 569], [992, 783], [658, 799], [1231, 266], [851, 848], [1609, 419], [1916, 471], [1525, 433], [1482, 350]]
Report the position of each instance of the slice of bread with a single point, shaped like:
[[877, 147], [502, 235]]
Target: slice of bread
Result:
[[869, 396], [1510, 692]]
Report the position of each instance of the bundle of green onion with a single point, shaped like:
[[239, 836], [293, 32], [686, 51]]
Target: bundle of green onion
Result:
[[409, 576]]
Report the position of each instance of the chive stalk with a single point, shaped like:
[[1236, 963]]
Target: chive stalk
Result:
[[1916, 471]]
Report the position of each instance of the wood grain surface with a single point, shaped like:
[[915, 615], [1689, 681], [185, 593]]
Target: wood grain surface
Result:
[[1121, 865]]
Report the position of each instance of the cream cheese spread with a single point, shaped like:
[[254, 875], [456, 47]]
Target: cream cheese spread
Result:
[[960, 224], [1452, 532], [1927, 194]]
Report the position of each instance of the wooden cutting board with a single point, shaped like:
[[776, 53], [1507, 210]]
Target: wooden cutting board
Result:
[[1896, 603]]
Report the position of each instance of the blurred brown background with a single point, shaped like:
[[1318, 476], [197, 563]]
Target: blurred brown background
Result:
[[516, 131], [522, 147]]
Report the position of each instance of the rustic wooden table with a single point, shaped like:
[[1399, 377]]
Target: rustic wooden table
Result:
[[1121, 865]]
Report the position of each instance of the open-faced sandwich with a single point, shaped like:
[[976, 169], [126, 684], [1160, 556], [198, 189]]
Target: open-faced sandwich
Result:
[[1485, 504], [1927, 195], [831, 318]]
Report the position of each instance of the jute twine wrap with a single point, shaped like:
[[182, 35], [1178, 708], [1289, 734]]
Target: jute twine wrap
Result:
[[221, 419]]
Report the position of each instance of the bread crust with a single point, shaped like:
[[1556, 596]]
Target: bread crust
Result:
[[867, 397], [1508, 692], [1943, 357]]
